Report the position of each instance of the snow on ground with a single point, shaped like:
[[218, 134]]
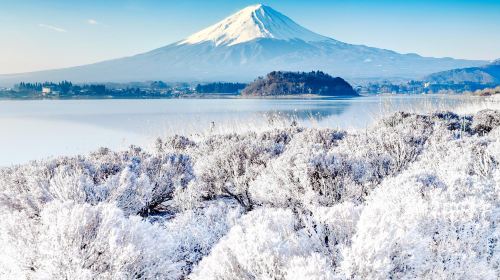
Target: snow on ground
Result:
[[413, 196]]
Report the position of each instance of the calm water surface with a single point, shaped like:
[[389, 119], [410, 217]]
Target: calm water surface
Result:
[[40, 129]]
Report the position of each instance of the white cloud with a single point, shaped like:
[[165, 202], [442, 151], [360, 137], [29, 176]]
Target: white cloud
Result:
[[51, 27], [92, 21]]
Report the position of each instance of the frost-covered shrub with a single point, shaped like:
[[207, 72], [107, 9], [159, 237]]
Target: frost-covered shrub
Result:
[[135, 180], [81, 241], [230, 168], [71, 240], [453, 121], [100, 242], [226, 165], [194, 232], [411, 197], [436, 220], [176, 143], [386, 148], [18, 256], [343, 168], [291, 178], [405, 232], [266, 244], [272, 243], [402, 137], [482, 163], [361, 161], [485, 121]]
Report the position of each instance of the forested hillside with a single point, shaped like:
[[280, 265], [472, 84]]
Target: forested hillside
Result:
[[294, 83]]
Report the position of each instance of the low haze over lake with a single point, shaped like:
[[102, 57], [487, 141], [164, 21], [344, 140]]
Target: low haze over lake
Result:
[[41, 128]]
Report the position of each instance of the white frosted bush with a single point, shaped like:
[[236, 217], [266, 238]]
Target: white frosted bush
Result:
[[135, 180], [437, 220], [265, 244], [87, 242], [99, 242], [18, 254], [226, 165], [293, 178], [485, 121], [346, 167], [195, 232], [411, 197], [406, 233]]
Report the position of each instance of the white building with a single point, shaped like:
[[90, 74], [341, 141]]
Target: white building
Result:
[[46, 90]]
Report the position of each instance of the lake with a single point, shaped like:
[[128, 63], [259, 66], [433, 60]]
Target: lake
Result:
[[45, 128]]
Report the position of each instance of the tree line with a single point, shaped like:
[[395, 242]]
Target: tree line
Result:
[[292, 83], [220, 87]]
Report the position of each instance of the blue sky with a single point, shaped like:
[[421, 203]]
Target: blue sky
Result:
[[44, 34]]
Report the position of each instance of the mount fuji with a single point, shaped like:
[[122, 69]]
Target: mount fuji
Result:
[[247, 44]]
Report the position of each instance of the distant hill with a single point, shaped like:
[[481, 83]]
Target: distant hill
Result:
[[294, 83], [247, 44], [487, 74]]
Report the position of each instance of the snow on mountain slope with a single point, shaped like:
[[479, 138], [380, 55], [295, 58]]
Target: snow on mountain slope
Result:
[[250, 43], [253, 22]]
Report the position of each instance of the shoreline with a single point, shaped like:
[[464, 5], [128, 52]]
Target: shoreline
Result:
[[204, 96], [233, 96]]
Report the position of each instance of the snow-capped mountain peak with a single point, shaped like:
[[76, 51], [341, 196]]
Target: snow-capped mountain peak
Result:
[[253, 22], [245, 45]]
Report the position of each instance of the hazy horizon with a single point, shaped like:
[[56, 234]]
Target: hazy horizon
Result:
[[55, 34]]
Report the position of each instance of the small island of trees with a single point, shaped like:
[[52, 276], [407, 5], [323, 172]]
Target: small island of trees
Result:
[[295, 83]]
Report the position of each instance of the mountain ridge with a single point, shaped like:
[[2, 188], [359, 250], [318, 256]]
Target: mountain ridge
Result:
[[250, 43], [485, 74]]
